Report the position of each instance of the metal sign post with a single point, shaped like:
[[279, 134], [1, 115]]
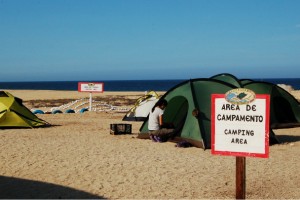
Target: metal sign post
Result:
[[90, 107]]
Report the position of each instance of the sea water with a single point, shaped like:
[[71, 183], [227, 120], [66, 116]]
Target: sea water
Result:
[[123, 85]]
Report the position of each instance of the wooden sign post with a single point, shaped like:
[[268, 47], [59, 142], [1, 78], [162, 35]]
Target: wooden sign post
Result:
[[240, 127], [240, 178], [91, 88]]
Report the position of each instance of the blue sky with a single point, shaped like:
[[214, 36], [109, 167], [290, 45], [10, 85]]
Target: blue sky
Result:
[[148, 39]]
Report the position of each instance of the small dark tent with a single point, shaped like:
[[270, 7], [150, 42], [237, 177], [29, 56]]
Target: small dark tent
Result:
[[195, 94], [13, 114]]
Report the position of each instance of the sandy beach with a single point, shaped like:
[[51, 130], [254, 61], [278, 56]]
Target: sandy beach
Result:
[[77, 157]]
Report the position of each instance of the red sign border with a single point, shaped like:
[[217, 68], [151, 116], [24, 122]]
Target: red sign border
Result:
[[244, 154], [79, 87]]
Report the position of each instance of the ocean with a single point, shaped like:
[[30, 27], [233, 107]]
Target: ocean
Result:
[[123, 85]]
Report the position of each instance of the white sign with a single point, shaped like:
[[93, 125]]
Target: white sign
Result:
[[240, 129], [90, 87]]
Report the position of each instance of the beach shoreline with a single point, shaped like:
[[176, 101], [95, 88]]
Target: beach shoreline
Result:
[[56, 94], [77, 157]]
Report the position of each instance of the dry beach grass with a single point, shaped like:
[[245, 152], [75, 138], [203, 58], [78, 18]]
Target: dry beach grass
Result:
[[77, 158]]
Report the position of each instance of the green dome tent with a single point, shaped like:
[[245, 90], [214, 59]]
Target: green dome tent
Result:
[[195, 95], [13, 114]]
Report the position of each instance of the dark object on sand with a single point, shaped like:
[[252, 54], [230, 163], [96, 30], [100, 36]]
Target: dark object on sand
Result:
[[183, 144], [118, 129]]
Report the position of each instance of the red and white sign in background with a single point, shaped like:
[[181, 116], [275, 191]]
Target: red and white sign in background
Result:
[[90, 87]]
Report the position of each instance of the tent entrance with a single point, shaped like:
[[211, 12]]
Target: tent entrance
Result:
[[176, 112]]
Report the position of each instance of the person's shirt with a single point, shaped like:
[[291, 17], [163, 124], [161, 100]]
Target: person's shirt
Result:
[[153, 122]]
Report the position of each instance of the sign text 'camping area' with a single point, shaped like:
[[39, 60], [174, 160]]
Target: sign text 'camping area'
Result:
[[240, 123]]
